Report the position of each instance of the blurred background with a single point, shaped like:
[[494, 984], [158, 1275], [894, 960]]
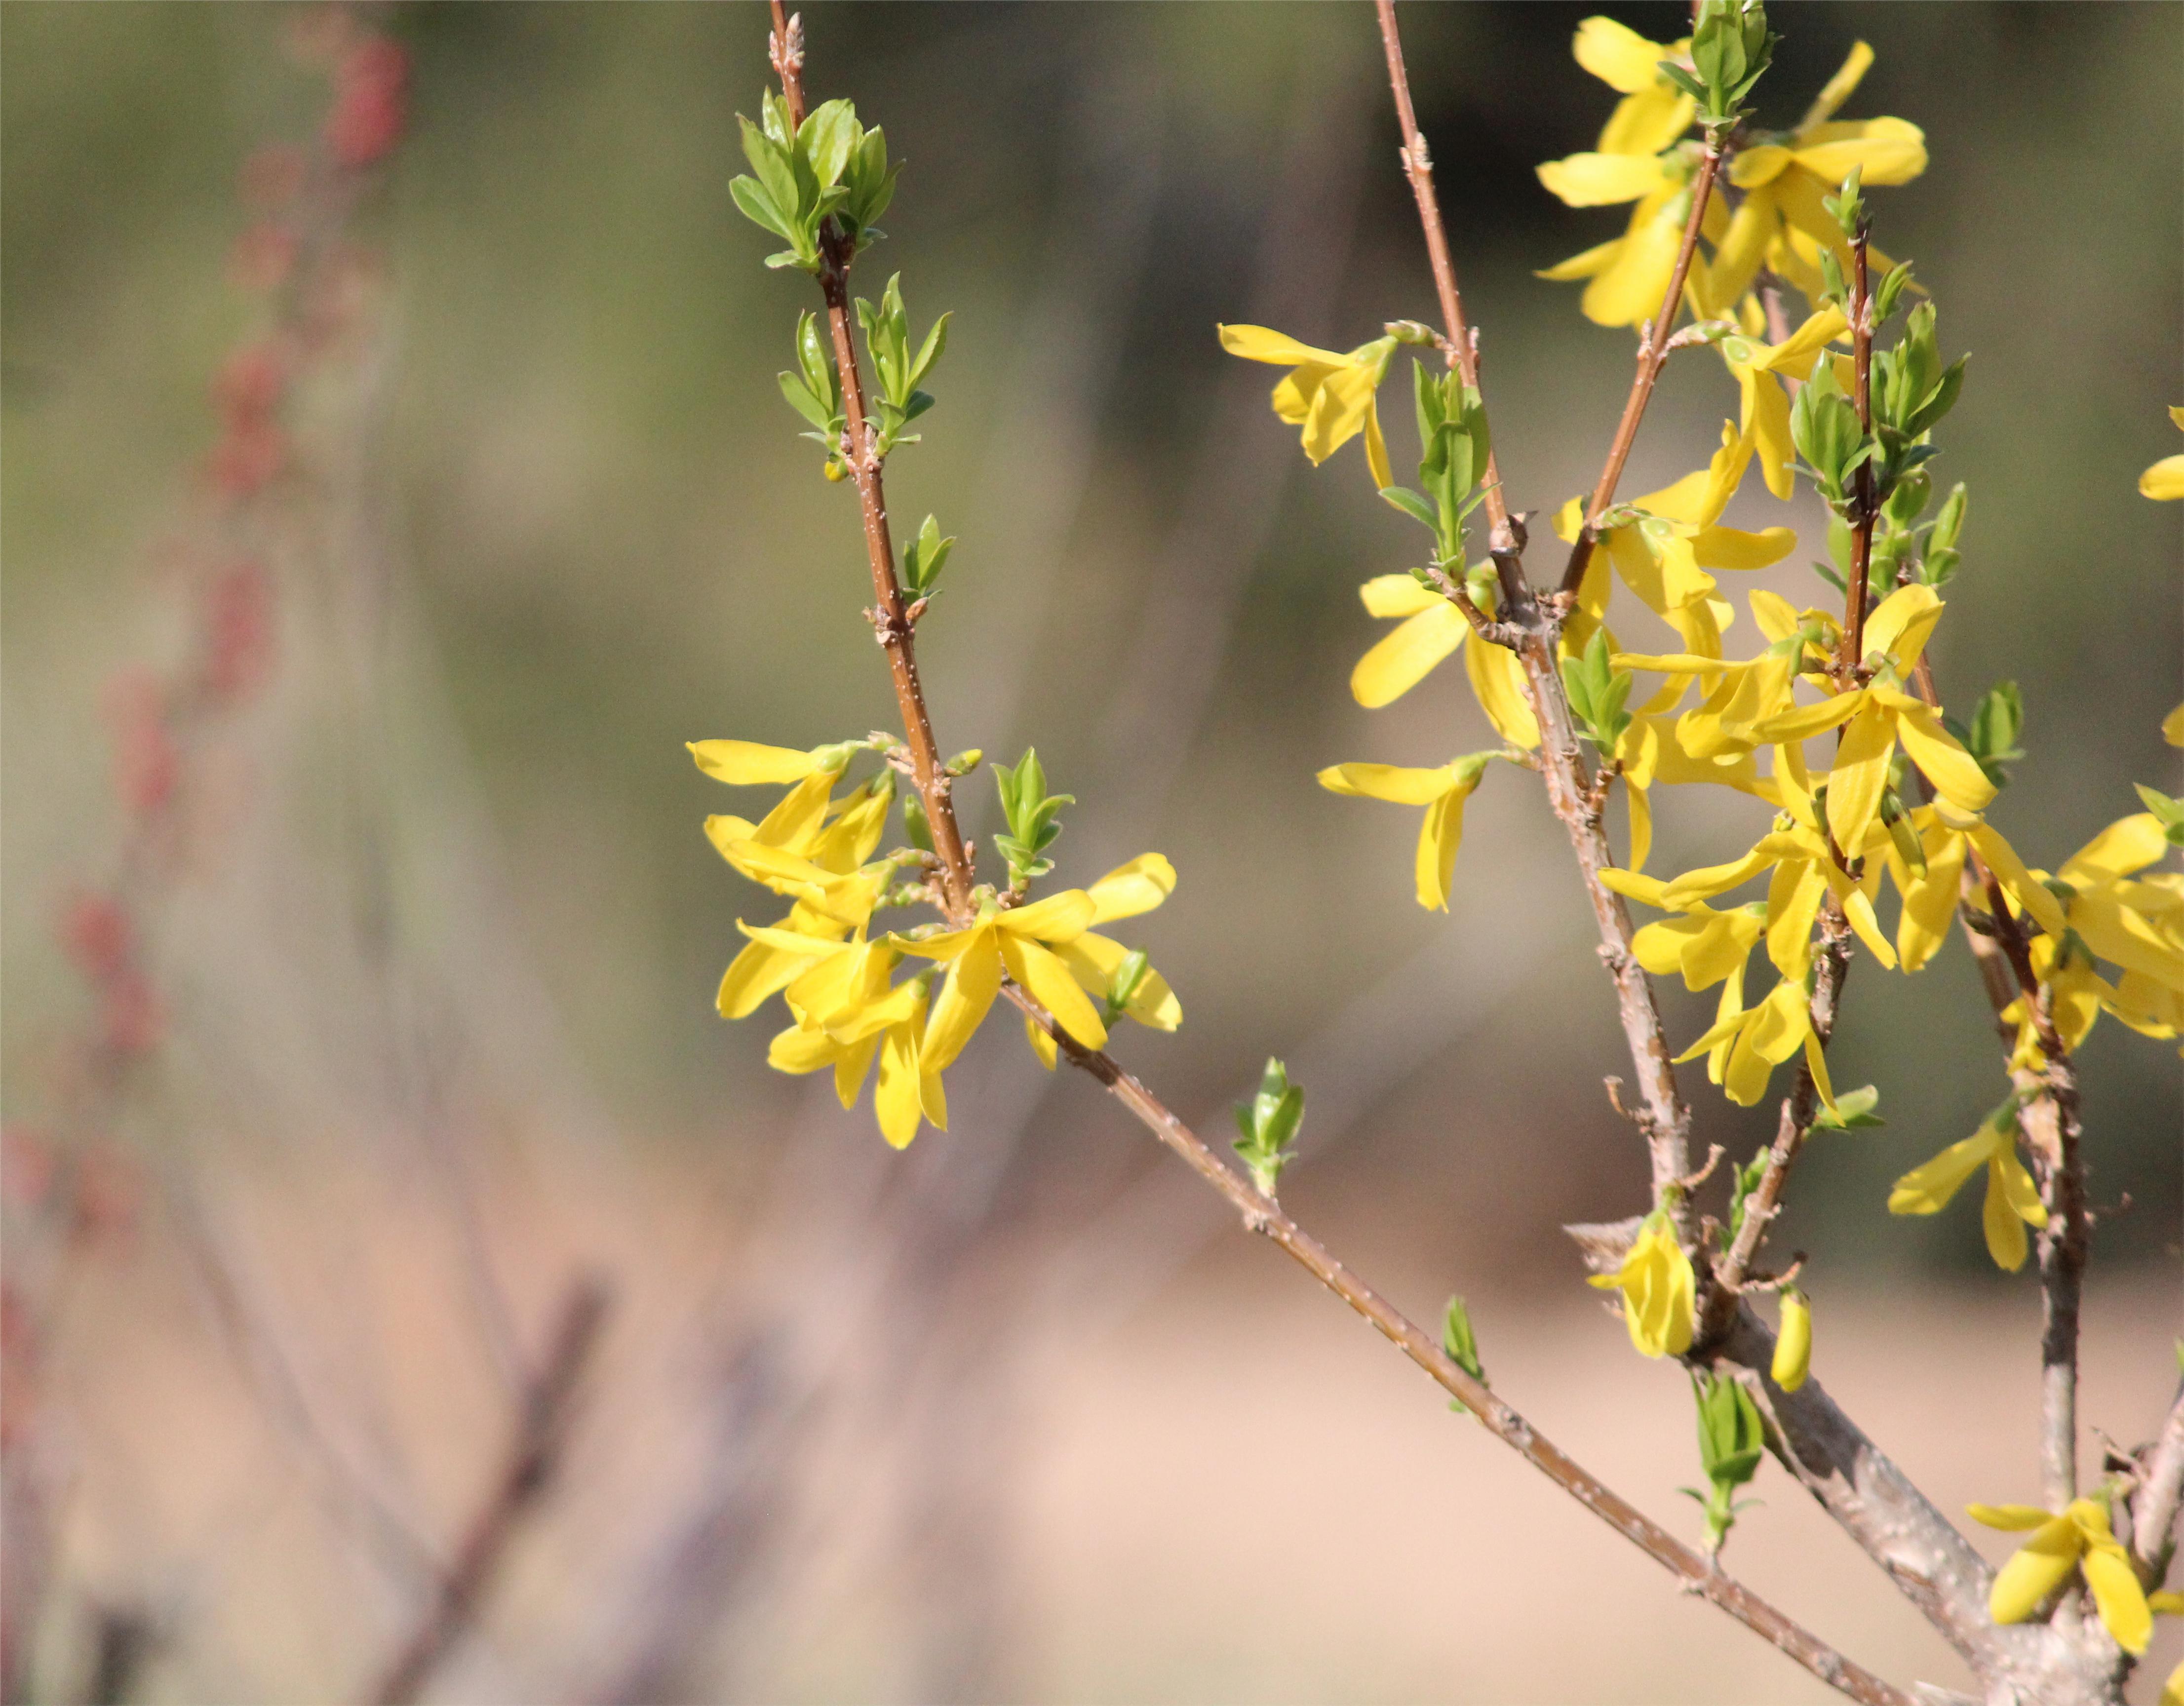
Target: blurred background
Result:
[[385, 1195]]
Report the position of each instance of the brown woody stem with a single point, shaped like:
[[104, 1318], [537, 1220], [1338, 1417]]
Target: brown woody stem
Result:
[[1263, 1215], [1653, 357]]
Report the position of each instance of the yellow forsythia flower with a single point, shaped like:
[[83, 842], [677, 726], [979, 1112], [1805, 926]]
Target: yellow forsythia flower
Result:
[[1780, 223], [1793, 1345], [2012, 1202], [1094, 960], [2164, 481], [1442, 792], [1333, 397], [1431, 628], [1637, 161], [1020, 942], [845, 1015], [2080, 1539], [1658, 1290]]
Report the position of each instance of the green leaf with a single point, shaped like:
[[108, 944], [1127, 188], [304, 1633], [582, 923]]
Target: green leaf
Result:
[[803, 402], [750, 198], [1459, 1344], [929, 352], [2168, 812], [772, 161], [829, 132], [1412, 504], [1854, 1111]]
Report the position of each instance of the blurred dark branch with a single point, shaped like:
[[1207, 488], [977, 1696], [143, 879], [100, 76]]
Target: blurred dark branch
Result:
[[526, 1475]]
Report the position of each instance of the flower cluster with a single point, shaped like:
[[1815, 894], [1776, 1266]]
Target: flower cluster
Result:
[[820, 850]]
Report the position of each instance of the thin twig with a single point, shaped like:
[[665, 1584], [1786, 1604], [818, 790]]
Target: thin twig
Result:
[[1263, 1215], [1666, 1119], [533, 1456], [2160, 1489], [1653, 357], [1861, 560]]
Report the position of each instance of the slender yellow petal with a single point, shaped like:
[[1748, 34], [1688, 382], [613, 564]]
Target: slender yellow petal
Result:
[[801, 1048], [1394, 784], [1132, 889], [1592, 180], [1093, 960], [1339, 413], [1258, 344], [1052, 986], [1054, 919], [2034, 896], [1438, 837], [1637, 796], [2039, 1567], [1901, 623], [1927, 1190], [1647, 120], [1859, 775], [2172, 725], [1390, 596], [1376, 449], [850, 1066], [974, 980], [1793, 1345], [2128, 844], [2117, 1596], [1930, 904], [1042, 1045], [1619, 55], [1591, 263], [1888, 151], [899, 1097], [1630, 288], [1808, 720], [745, 763], [1406, 657], [2005, 1231], [1829, 102], [2011, 1516], [1498, 680]]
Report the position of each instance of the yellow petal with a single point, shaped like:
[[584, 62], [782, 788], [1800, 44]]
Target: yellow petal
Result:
[[1901, 622], [1376, 450], [1618, 55], [1829, 102], [745, 763], [1807, 720], [2036, 1569], [1930, 904], [2033, 895], [2128, 844], [1042, 1045], [2172, 725], [1890, 151], [1630, 287], [1955, 773], [1637, 796], [1439, 837], [850, 1066], [899, 1097], [2117, 1596], [2005, 1231], [1404, 658], [1859, 775], [1055, 919], [1592, 180], [1339, 411], [1498, 680], [1258, 344], [2011, 1516], [1927, 1190], [1754, 167], [1793, 1345], [1395, 784], [1093, 960], [974, 978], [1647, 120], [1390, 596], [1052, 986], [802, 1049], [1130, 889], [2164, 482], [1591, 263]]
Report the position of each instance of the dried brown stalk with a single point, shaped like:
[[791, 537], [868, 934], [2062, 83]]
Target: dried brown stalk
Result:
[[523, 1480]]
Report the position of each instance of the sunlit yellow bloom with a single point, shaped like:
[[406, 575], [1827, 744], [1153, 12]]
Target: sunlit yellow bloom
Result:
[[1759, 1040], [1875, 719], [2012, 1202], [1780, 223], [1793, 1345], [1331, 396], [1636, 161], [892, 1027], [1764, 406], [1442, 792], [1021, 943], [1094, 960], [1431, 629], [1658, 1289], [1663, 556], [2079, 1540], [2092, 908], [1946, 839], [2164, 481]]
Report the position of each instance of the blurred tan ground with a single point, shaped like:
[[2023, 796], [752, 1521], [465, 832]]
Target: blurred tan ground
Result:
[[1235, 1491]]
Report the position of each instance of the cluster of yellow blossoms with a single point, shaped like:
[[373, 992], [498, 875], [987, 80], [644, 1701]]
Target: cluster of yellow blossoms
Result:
[[1779, 223], [836, 980], [2103, 934]]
